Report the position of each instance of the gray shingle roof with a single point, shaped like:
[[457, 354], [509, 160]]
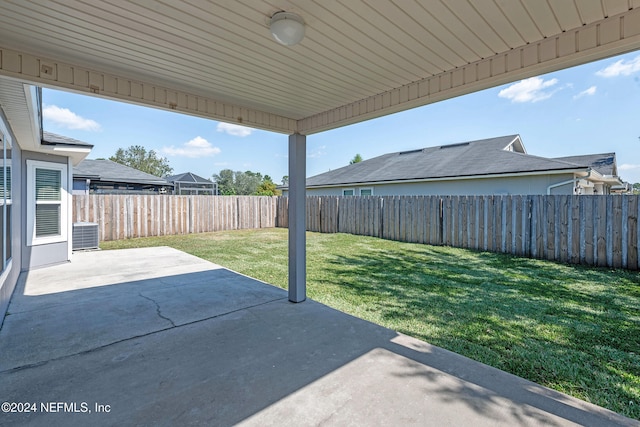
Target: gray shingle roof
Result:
[[473, 158], [188, 177], [604, 163], [55, 139], [106, 170]]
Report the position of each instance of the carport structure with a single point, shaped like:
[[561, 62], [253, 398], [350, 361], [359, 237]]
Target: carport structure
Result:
[[358, 59]]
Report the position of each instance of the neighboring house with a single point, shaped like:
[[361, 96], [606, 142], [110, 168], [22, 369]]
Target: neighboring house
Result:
[[497, 166], [35, 187], [108, 177], [191, 184]]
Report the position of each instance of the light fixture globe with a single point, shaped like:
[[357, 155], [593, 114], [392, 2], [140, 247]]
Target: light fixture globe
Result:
[[287, 28]]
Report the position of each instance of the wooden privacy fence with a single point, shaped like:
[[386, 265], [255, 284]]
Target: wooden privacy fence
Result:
[[126, 216], [593, 230]]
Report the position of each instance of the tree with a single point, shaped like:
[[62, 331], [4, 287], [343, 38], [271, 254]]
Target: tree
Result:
[[636, 188], [225, 182], [356, 159], [267, 187], [246, 183], [238, 183], [285, 180], [137, 157]]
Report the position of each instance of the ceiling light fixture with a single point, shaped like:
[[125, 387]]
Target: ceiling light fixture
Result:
[[287, 28]]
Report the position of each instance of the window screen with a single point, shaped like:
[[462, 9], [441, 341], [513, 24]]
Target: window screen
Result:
[[48, 202]]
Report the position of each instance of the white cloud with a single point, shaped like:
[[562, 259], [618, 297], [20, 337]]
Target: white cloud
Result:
[[320, 151], [533, 89], [621, 68], [628, 167], [235, 130], [68, 119], [586, 92], [197, 147]]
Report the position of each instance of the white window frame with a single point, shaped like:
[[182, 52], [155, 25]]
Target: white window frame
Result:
[[4, 205], [348, 189], [32, 165], [367, 188], [6, 200]]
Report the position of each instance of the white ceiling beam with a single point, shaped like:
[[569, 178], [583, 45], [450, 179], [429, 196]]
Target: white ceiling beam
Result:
[[59, 75], [611, 36]]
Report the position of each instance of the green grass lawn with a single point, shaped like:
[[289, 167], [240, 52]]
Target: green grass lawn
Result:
[[570, 328]]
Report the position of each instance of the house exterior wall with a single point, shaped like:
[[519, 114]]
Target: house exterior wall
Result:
[[515, 185], [80, 186], [9, 276], [43, 254]]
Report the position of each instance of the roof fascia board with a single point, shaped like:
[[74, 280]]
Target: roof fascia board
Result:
[[611, 36], [517, 139], [33, 107], [455, 178], [55, 74], [596, 176], [129, 181], [76, 154]]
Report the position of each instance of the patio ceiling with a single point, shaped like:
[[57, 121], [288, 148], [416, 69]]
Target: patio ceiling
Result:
[[359, 59]]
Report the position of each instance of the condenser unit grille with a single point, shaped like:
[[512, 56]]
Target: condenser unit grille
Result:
[[85, 236]]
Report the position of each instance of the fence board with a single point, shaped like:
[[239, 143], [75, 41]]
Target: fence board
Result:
[[561, 227], [433, 213], [494, 230], [573, 235], [616, 235], [447, 227], [422, 219], [634, 234], [633, 214], [600, 231], [549, 228]]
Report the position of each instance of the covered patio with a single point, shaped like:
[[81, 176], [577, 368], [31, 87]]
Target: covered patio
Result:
[[162, 338], [302, 67], [159, 337]]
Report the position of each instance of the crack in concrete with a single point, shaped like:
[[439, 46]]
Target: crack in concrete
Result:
[[104, 346], [158, 311]]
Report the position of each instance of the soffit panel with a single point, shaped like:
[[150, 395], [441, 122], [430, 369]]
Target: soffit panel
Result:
[[221, 51], [14, 103]]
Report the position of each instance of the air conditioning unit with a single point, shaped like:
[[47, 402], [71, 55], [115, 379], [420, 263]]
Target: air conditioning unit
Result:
[[85, 236]]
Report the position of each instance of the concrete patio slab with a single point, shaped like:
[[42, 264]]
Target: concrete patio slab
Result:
[[158, 337]]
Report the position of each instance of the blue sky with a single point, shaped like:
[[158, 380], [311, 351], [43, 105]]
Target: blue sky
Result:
[[593, 108]]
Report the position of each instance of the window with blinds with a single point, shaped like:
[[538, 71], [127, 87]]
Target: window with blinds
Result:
[[5, 202], [5, 186], [48, 202], [47, 205]]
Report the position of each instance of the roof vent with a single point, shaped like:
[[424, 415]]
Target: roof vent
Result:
[[454, 145], [410, 152]]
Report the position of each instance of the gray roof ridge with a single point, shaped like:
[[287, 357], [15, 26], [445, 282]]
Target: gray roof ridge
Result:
[[194, 178], [611, 153], [50, 138], [139, 176], [514, 136], [549, 159]]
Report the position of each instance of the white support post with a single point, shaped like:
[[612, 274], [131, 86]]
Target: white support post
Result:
[[297, 218]]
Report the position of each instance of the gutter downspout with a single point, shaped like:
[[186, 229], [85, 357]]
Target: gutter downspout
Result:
[[559, 184]]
